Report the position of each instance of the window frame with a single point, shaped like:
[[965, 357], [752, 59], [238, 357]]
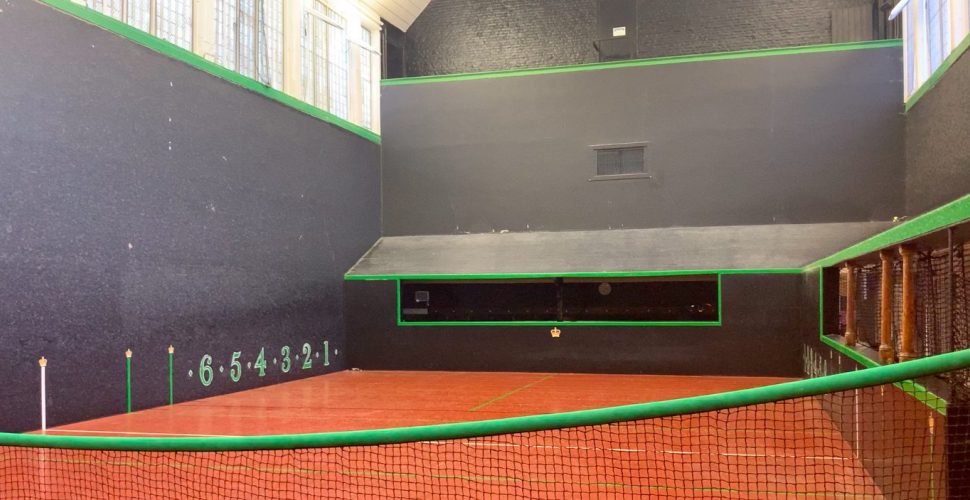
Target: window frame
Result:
[[645, 174]]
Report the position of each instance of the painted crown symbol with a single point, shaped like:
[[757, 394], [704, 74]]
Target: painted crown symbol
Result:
[[555, 332]]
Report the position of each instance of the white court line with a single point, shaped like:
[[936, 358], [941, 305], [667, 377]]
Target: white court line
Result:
[[169, 434]]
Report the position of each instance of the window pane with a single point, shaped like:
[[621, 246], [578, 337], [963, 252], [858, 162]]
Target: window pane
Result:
[[910, 51], [270, 36], [140, 14], [111, 8], [226, 17], [174, 22], [339, 59], [366, 58]]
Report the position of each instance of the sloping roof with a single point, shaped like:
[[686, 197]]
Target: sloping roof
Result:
[[777, 246], [400, 13]]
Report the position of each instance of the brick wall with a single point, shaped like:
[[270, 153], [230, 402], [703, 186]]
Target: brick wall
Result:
[[458, 36]]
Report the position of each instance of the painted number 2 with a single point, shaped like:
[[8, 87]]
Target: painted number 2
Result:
[[307, 352]]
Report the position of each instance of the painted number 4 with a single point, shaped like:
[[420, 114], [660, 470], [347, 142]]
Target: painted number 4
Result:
[[261, 362]]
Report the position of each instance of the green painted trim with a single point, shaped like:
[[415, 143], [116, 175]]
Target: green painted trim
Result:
[[128, 383], [717, 56], [947, 215], [917, 391], [711, 402], [401, 322], [604, 274], [561, 323], [934, 79], [196, 61]]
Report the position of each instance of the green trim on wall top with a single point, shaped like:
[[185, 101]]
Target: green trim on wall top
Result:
[[604, 274], [196, 61], [720, 317], [952, 213], [634, 63], [938, 74], [602, 416]]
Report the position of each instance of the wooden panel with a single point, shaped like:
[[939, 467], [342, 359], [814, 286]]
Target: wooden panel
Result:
[[852, 24]]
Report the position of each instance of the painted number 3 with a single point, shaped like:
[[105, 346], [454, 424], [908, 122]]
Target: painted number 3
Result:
[[285, 352]]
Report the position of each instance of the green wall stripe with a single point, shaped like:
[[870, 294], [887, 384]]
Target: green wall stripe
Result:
[[718, 56], [947, 215], [909, 387], [604, 274], [938, 74], [711, 402], [192, 59]]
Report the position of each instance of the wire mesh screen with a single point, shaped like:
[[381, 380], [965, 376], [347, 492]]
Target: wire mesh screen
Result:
[[868, 290], [249, 38], [326, 60], [941, 279], [113, 8], [174, 22], [140, 14], [961, 298], [862, 443]]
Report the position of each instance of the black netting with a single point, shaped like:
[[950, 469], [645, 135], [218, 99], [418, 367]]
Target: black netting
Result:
[[868, 283]]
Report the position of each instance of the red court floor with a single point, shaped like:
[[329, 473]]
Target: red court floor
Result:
[[352, 400], [790, 448]]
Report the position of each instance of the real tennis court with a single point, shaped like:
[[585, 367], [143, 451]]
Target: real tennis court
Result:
[[460, 249]]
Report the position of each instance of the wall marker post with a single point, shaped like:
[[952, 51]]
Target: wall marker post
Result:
[[43, 393], [128, 378], [171, 392]]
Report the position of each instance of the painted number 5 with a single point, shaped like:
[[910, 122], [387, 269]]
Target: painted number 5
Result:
[[235, 367]]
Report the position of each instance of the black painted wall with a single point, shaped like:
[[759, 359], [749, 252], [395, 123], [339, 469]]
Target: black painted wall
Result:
[[796, 139], [937, 145], [145, 203], [760, 336], [460, 36]]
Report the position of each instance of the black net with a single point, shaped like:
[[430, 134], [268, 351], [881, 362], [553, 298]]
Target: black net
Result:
[[862, 443]]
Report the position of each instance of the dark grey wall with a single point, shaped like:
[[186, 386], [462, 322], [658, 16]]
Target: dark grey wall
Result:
[[145, 203], [937, 145], [795, 138], [460, 36], [760, 336]]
